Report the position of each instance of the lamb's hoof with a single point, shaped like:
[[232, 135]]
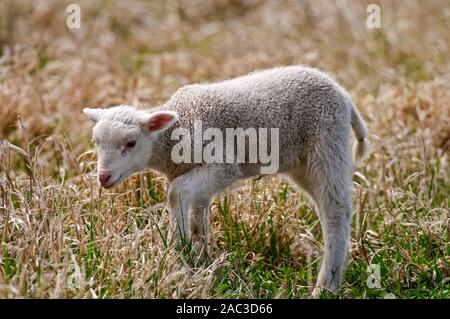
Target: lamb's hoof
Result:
[[204, 257], [316, 293], [202, 253]]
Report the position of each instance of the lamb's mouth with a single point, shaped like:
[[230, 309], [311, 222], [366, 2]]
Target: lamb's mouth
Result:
[[116, 181]]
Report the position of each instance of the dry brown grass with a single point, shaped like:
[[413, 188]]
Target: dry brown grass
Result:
[[59, 238]]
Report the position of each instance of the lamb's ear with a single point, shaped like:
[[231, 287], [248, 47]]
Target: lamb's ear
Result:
[[159, 121], [94, 114]]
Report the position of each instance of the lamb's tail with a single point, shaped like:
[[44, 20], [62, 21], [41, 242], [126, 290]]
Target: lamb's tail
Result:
[[362, 147]]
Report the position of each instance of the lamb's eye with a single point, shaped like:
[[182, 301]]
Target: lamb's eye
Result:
[[131, 144]]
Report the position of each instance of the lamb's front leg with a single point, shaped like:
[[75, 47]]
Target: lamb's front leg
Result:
[[201, 224], [179, 199], [193, 192]]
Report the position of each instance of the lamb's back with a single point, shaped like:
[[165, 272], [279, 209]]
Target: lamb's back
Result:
[[301, 102], [283, 97]]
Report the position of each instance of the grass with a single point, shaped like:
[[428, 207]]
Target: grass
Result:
[[61, 237]]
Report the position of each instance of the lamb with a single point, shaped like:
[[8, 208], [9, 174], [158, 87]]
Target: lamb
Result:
[[313, 115]]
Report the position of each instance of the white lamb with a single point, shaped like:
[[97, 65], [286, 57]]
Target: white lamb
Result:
[[312, 113]]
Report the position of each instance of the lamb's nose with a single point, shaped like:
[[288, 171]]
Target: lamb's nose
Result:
[[104, 176]]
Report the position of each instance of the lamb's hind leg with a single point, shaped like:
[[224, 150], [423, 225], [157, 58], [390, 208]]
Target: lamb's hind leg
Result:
[[328, 183]]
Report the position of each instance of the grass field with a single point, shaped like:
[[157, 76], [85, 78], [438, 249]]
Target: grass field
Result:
[[59, 237]]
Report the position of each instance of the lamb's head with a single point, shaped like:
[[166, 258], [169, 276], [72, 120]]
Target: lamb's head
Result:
[[124, 138]]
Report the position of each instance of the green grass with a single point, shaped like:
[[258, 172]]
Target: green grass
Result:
[[61, 237]]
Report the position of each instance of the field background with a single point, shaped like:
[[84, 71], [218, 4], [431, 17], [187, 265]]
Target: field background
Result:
[[60, 238]]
